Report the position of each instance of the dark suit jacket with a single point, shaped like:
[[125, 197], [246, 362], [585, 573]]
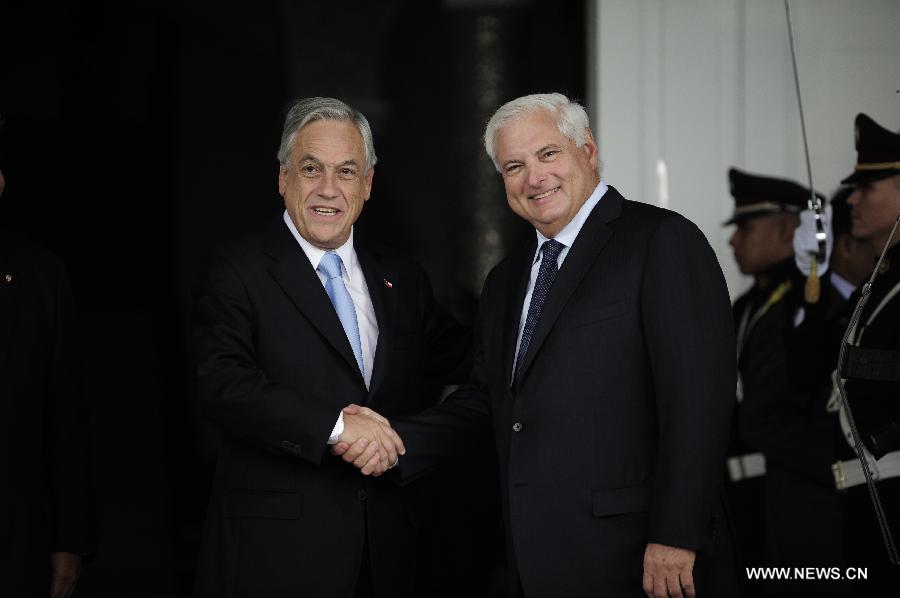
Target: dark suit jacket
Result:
[[614, 434], [44, 440], [285, 517]]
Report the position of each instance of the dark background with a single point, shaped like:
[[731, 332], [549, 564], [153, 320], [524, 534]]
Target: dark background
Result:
[[140, 134]]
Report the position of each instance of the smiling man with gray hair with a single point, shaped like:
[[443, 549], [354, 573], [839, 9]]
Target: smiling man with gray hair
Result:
[[293, 324], [605, 364]]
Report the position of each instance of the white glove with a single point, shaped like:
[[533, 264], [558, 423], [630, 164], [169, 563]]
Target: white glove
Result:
[[806, 245]]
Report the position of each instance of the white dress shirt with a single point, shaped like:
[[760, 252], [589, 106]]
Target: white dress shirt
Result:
[[567, 237], [352, 274]]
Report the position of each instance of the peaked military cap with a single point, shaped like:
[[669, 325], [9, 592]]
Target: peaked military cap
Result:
[[877, 150], [756, 195]]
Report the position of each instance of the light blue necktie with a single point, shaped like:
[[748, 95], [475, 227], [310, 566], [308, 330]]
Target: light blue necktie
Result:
[[330, 266]]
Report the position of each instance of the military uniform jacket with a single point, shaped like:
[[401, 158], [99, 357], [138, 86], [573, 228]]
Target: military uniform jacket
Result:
[[875, 405], [773, 410], [786, 420]]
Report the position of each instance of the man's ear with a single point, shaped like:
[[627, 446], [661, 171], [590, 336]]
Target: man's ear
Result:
[[282, 179], [368, 183], [590, 150]]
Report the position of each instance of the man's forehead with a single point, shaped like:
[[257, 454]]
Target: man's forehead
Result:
[[529, 132], [337, 140], [537, 120]]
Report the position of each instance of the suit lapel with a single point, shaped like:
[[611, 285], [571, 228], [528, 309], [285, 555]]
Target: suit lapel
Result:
[[384, 302], [512, 314], [588, 244], [297, 278]]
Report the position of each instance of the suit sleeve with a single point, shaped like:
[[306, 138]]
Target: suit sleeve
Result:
[[233, 391], [458, 427], [448, 344], [689, 332]]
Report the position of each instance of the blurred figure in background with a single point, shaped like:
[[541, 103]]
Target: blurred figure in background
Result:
[[765, 217], [784, 505], [45, 509], [813, 353]]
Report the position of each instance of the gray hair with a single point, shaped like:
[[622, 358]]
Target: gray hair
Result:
[[571, 118], [307, 110]]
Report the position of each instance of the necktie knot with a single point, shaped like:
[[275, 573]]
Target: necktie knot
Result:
[[551, 249], [330, 265]]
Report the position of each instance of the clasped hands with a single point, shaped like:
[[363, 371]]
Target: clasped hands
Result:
[[368, 441]]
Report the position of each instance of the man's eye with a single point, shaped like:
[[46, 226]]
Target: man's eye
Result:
[[309, 169], [512, 168], [550, 153], [347, 172]]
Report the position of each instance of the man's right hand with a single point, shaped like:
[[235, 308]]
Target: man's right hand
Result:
[[65, 569], [368, 441]]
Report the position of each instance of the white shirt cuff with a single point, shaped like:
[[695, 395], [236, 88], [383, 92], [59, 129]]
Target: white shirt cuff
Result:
[[338, 429]]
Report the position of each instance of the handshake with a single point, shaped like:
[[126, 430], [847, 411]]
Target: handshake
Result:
[[368, 441]]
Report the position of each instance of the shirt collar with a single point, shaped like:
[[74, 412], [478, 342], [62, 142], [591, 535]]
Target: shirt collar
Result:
[[314, 254], [842, 285], [570, 231]]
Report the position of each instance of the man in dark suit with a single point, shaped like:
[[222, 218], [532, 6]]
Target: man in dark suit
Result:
[[46, 525], [605, 365], [294, 323]]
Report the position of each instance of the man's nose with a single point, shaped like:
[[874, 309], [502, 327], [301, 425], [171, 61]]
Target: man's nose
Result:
[[328, 185], [536, 177]]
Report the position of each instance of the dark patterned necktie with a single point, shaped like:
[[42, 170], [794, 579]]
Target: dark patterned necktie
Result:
[[546, 275]]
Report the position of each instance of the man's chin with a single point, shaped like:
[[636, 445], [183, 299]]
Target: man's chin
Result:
[[329, 242]]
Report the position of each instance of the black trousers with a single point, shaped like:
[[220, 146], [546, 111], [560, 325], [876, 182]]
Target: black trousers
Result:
[[364, 579]]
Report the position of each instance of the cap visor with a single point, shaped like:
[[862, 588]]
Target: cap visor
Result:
[[868, 176], [735, 218]]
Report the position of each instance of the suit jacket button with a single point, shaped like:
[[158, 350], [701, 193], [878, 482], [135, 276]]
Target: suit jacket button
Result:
[[517, 427], [361, 494]]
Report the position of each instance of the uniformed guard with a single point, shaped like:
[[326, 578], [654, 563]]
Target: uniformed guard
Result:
[[780, 478], [813, 355], [873, 367]]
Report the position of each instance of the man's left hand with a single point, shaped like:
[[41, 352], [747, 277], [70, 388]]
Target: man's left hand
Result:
[[668, 571], [65, 569]]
